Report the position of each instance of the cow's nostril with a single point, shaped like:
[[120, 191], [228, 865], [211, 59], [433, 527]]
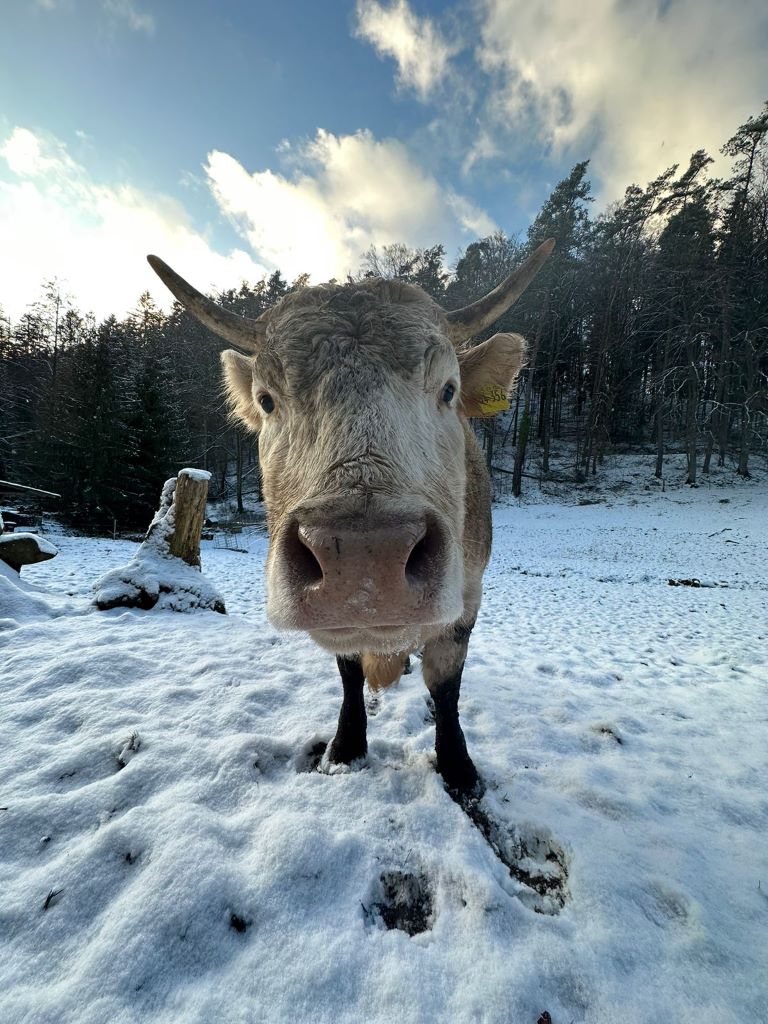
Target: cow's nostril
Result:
[[305, 568], [423, 559]]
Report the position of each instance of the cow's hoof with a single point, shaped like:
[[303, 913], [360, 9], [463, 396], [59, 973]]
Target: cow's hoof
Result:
[[341, 756], [461, 779]]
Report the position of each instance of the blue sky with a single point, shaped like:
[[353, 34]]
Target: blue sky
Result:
[[234, 137]]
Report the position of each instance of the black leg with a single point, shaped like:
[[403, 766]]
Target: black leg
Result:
[[443, 664], [350, 740], [453, 760]]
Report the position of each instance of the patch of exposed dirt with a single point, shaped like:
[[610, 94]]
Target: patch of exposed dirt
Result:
[[404, 902]]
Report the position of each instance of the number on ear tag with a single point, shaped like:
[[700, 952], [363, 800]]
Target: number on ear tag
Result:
[[493, 399]]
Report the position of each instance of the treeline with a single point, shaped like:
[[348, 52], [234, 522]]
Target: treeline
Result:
[[647, 329], [103, 413]]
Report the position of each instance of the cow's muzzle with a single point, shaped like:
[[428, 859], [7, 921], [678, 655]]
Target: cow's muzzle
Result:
[[363, 573]]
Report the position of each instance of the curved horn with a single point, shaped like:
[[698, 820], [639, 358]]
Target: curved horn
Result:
[[470, 320], [247, 334]]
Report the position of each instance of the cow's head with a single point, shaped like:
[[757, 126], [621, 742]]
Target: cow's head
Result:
[[357, 392]]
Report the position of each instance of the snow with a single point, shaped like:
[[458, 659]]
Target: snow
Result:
[[196, 474], [157, 771], [17, 600]]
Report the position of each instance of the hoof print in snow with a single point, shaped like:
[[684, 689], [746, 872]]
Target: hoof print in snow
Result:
[[664, 905], [128, 749], [533, 859], [403, 902], [271, 759], [310, 756], [238, 924]]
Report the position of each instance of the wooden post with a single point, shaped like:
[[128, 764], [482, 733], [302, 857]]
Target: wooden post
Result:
[[165, 571], [189, 514]]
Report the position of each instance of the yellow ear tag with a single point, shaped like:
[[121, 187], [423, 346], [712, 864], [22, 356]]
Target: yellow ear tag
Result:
[[493, 399]]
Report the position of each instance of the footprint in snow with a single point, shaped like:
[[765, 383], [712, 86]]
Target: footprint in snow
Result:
[[270, 757], [402, 901], [532, 856], [664, 905], [96, 764]]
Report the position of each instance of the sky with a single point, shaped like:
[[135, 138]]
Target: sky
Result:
[[237, 137]]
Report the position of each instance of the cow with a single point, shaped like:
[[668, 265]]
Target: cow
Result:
[[377, 495]]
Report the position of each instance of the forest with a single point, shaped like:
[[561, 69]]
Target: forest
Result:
[[647, 330]]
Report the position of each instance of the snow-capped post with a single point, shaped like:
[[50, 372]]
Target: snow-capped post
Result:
[[189, 503], [165, 571]]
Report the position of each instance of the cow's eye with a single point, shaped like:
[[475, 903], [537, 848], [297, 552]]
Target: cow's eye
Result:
[[267, 403], [446, 395]]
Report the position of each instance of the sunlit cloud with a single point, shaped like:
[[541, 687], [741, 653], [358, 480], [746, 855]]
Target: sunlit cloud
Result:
[[635, 86], [345, 194], [57, 222], [421, 52], [335, 197], [28, 156]]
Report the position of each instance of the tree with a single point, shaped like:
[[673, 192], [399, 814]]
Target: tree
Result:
[[552, 306], [743, 266], [423, 267]]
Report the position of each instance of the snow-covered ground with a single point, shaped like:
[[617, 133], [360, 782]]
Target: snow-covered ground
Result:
[[168, 855]]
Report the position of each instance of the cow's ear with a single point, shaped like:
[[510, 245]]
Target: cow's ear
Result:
[[489, 372], [238, 378]]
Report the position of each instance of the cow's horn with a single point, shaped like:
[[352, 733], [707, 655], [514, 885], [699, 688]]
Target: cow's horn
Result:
[[241, 331], [470, 320]]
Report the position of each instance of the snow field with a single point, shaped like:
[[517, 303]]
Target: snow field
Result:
[[169, 854]]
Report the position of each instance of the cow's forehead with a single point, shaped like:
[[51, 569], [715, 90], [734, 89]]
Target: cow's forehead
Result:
[[384, 325]]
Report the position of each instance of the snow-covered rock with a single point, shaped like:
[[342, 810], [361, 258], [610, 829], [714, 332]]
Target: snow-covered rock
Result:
[[20, 549]]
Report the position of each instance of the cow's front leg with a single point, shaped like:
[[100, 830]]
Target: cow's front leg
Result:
[[350, 741], [442, 666]]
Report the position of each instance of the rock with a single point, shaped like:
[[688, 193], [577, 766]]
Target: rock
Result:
[[18, 549]]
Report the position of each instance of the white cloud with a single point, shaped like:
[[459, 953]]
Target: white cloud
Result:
[[55, 221], [421, 52], [127, 11], [347, 193], [26, 156], [472, 219], [636, 86]]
